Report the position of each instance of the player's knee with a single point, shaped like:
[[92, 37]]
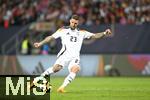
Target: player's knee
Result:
[[78, 69], [56, 68], [75, 69]]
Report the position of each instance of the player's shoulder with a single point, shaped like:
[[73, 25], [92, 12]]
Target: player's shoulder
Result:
[[83, 31], [63, 28]]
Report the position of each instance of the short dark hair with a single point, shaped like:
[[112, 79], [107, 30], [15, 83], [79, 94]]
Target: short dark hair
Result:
[[76, 17]]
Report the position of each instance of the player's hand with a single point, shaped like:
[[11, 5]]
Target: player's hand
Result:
[[37, 45], [108, 32]]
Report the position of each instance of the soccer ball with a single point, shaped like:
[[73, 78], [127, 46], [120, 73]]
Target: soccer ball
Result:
[[45, 86]]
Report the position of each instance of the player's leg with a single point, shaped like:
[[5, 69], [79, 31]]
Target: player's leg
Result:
[[48, 72], [74, 68], [51, 70], [60, 62]]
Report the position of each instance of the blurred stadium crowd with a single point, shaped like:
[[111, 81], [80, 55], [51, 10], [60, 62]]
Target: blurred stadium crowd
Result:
[[93, 12], [58, 12]]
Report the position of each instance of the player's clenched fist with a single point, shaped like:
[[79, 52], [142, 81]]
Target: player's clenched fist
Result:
[[37, 45], [108, 32]]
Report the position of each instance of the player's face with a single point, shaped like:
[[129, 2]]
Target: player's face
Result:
[[73, 23]]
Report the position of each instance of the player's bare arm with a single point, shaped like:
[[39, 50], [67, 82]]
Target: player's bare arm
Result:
[[46, 40], [101, 34]]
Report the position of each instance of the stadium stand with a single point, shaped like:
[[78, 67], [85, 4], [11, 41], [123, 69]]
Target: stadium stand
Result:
[[21, 12], [17, 15]]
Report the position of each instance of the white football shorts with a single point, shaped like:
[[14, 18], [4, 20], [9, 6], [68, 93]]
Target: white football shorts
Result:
[[68, 61]]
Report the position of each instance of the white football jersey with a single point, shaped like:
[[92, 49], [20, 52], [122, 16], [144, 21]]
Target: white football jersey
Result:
[[71, 40]]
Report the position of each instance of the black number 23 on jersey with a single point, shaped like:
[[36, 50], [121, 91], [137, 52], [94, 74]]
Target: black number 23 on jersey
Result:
[[73, 39]]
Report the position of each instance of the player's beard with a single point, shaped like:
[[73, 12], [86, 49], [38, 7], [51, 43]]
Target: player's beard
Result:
[[73, 27]]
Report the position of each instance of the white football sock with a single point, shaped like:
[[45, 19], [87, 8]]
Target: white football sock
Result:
[[49, 71], [69, 79]]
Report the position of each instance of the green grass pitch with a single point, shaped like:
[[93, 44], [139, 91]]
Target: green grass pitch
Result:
[[103, 88], [92, 88]]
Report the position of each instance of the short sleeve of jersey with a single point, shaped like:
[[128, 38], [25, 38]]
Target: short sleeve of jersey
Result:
[[58, 33], [87, 34]]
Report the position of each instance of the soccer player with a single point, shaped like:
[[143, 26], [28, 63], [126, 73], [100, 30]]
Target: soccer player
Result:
[[71, 39]]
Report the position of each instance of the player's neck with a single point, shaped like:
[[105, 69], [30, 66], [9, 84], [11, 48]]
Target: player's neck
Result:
[[72, 28]]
